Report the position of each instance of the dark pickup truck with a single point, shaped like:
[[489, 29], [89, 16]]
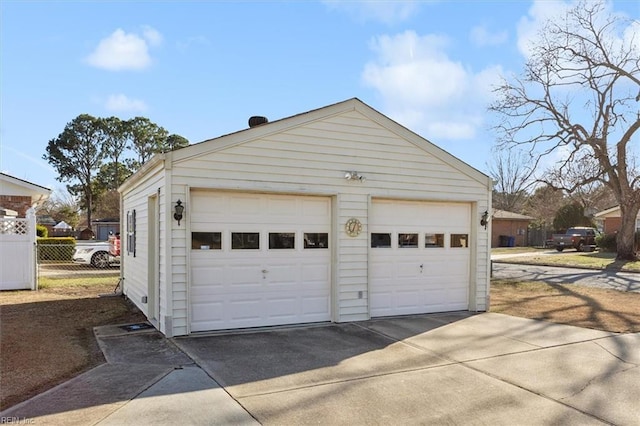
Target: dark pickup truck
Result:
[[580, 238]]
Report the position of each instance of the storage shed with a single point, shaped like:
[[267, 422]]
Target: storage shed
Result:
[[337, 214]]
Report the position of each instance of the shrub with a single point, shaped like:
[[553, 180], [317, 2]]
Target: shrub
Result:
[[606, 242], [56, 248], [42, 231]]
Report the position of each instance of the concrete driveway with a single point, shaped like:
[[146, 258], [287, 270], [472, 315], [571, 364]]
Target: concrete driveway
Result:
[[456, 368], [429, 369]]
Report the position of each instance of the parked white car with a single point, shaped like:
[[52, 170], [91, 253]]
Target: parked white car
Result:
[[95, 254]]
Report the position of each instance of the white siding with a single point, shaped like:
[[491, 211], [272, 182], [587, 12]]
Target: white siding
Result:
[[309, 154], [135, 268], [312, 159]]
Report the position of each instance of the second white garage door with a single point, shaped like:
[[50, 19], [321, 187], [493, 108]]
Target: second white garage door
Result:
[[419, 257], [259, 260]]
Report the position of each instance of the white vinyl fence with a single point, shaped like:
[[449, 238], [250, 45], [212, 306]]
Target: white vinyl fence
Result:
[[17, 252]]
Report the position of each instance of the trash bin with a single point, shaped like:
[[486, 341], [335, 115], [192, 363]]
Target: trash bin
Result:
[[512, 241], [503, 241]]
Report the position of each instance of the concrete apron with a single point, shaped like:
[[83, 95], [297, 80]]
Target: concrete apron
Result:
[[442, 368]]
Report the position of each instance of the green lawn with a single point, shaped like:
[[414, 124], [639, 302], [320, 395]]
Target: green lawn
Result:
[[60, 282]]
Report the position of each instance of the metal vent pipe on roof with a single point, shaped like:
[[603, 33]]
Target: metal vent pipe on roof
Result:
[[257, 120]]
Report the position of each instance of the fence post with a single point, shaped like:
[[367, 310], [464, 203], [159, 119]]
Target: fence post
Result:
[[31, 231]]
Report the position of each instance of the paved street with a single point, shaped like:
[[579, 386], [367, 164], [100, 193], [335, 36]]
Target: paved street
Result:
[[623, 281]]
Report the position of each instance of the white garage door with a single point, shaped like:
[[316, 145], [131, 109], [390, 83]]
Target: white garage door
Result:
[[420, 257], [259, 260]]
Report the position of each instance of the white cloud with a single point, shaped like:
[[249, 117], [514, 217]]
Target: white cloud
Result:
[[387, 12], [424, 89], [539, 13], [121, 51], [122, 103], [152, 36], [480, 36]]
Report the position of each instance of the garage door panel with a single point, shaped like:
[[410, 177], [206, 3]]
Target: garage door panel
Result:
[[265, 286], [398, 283], [315, 308], [319, 273]]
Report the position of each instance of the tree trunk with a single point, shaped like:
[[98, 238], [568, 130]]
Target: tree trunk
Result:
[[625, 240]]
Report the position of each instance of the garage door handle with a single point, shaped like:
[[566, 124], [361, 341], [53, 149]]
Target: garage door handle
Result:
[[264, 271], [421, 267]]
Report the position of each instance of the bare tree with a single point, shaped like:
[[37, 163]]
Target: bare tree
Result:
[[578, 99], [511, 171]]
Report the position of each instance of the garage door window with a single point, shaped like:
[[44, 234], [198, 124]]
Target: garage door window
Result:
[[206, 240], [316, 240], [407, 240], [245, 240], [433, 240], [282, 240], [380, 240], [459, 240]]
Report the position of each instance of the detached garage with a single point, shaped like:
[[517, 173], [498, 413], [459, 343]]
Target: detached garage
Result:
[[337, 214]]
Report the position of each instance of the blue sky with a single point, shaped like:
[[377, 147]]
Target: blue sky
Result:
[[201, 68]]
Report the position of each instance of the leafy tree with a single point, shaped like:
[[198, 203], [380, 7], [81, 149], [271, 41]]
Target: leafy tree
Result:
[[147, 138], [76, 154], [569, 216], [174, 142], [578, 97], [543, 205], [115, 145], [106, 177]]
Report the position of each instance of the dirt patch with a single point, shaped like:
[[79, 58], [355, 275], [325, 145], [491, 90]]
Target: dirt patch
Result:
[[46, 336], [600, 309]]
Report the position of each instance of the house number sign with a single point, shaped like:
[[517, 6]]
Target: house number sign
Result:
[[353, 227]]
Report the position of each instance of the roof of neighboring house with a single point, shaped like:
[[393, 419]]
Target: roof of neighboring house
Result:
[[501, 214], [8, 212], [603, 213], [45, 220], [26, 184], [610, 212]]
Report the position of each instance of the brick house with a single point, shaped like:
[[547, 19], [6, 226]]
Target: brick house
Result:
[[511, 225], [20, 195], [611, 220]]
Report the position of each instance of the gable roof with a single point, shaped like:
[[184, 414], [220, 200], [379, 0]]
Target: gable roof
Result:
[[24, 184], [603, 213], [281, 125], [502, 214]]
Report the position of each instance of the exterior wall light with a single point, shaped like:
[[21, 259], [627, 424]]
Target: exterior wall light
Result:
[[484, 219], [353, 176], [179, 208]]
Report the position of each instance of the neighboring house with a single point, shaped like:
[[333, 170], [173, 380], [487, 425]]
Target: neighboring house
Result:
[[19, 200], [48, 222], [337, 214], [61, 229], [105, 227], [611, 220], [508, 228], [20, 195]]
